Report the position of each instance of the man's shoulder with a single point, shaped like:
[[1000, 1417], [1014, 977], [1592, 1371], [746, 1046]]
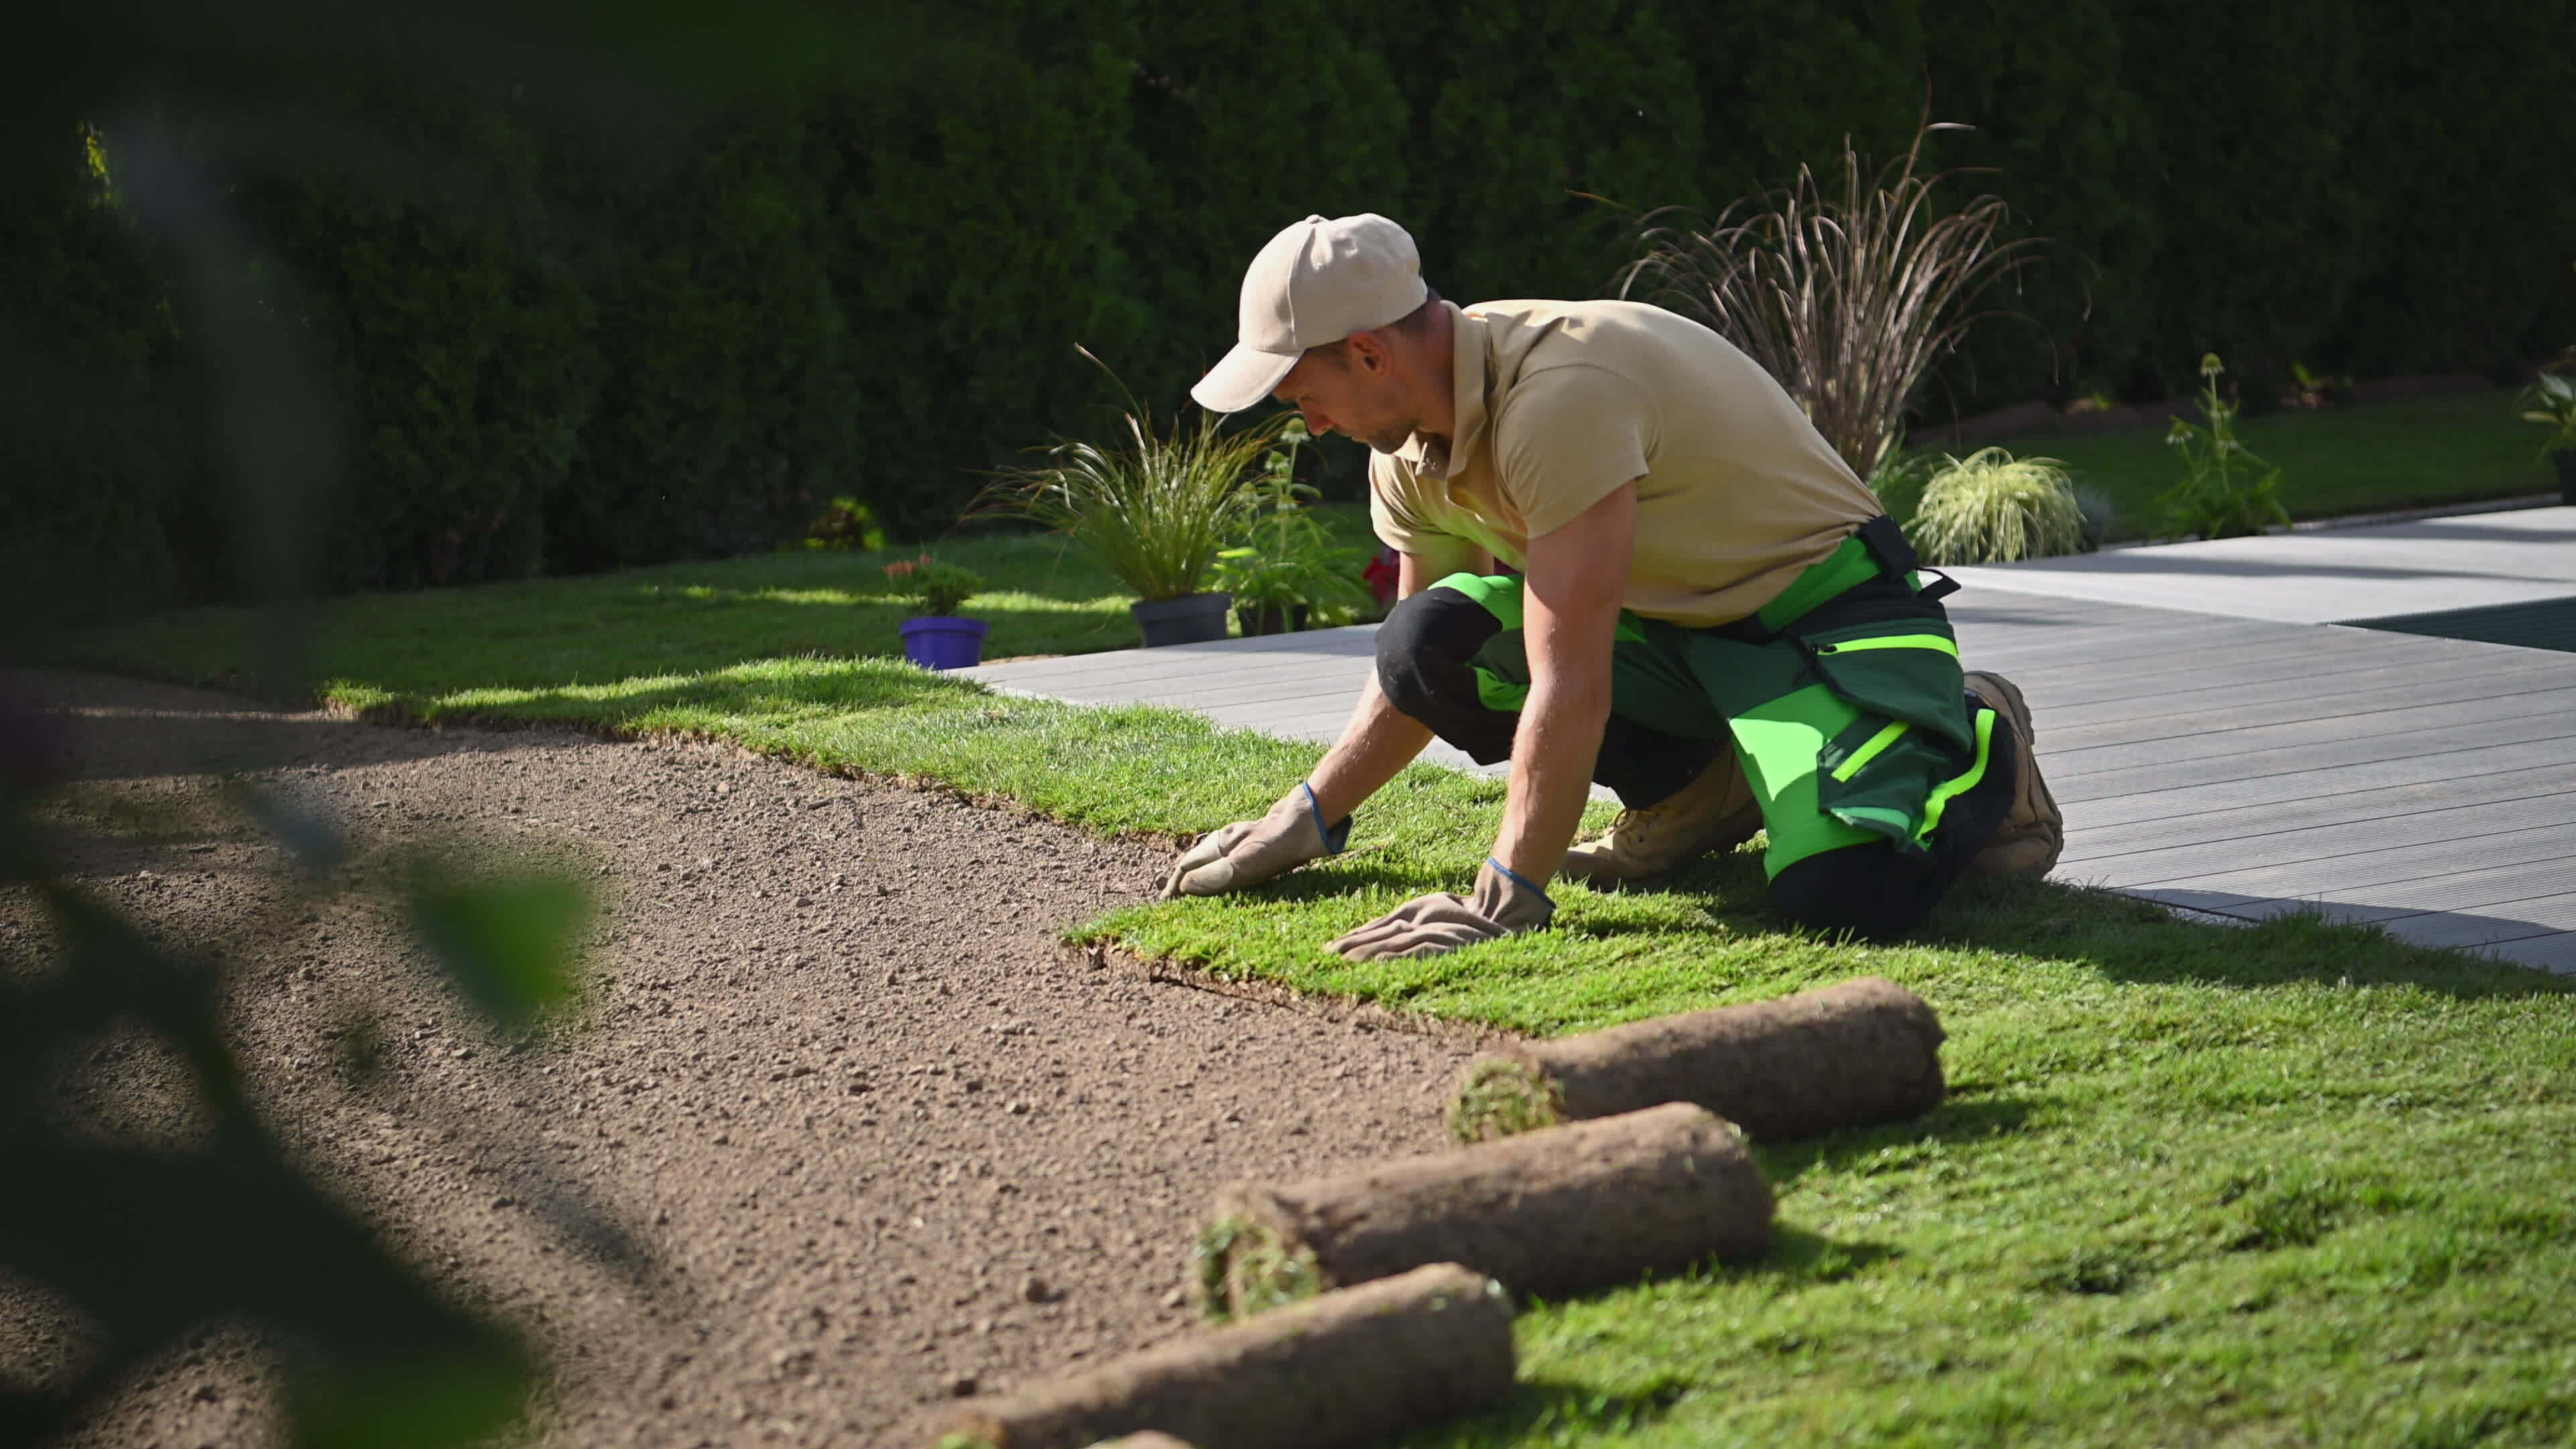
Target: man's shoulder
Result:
[[1634, 339], [1575, 321]]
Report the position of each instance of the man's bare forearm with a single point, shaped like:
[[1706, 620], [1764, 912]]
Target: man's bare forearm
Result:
[[1553, 753], [1377, 743]]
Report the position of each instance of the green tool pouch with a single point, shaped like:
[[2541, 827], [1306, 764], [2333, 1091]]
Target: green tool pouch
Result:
[[1914, 744]]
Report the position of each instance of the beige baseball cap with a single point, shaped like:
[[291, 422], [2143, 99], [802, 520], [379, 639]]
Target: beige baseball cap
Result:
[[1318, 281]]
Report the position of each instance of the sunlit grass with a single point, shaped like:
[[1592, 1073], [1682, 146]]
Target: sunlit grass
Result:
[[2296, 1183]]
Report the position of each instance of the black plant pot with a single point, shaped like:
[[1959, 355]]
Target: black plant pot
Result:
[[1189, 619], [2565, 458], [1271, 619]]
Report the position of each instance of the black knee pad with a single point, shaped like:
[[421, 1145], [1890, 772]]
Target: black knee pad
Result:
[[1423, 650], [1869, 890]]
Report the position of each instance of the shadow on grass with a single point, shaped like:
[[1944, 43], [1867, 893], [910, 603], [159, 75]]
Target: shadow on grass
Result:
[[1960, 1120], [1553, 1410], [2133, 940], [773, 692], [1556, 1411]]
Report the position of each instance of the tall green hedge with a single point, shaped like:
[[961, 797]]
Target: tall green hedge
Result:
[[552, 357]]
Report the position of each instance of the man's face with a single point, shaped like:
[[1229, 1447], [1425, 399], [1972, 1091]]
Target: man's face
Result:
[[1341, 392]]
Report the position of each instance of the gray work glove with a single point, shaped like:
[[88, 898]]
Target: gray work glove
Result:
[[1249, 852], [1434, 925]]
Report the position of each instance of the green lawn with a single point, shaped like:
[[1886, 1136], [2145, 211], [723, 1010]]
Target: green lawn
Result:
[[688, 618], [2294, 1184], [2403, 453]]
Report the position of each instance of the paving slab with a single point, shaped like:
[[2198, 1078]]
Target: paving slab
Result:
[[2324, 576], [2243, 756]]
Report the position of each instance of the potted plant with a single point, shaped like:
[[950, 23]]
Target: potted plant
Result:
[[1289, 568], [1155, 508], [938, 637], [2551, 400]]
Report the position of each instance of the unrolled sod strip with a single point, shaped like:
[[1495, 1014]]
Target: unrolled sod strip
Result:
[[1860, 1051], [1553, 1212], [1341, 1369]]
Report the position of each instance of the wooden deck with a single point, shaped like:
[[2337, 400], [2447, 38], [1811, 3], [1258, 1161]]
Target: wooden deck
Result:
[[2239, 766]]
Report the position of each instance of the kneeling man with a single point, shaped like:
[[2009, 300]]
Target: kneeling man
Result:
[[1711, 615]]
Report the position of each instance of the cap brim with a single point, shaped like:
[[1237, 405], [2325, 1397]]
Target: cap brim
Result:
[[1241, 378]]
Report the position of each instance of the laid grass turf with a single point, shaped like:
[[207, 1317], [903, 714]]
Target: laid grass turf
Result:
[[2402, 453], [2292, 1184]]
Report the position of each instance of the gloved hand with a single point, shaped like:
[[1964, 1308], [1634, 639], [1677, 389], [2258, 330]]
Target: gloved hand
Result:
[[1434, 925], [1249, 852]]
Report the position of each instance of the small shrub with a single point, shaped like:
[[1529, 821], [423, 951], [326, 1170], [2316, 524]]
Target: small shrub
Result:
[[1288, 559], [847, 524], [2551, 402], [1991, 507], [2226, 491], [943, 589]]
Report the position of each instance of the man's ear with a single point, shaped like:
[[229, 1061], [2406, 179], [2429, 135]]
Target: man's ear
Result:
[[1367, 352]]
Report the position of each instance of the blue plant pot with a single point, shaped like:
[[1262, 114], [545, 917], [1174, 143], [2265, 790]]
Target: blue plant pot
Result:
[[942, 641]]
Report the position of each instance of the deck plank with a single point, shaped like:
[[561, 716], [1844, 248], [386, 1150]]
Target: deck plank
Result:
[[2236, 765]]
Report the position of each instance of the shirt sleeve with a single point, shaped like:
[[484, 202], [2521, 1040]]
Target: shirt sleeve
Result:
[[1570, 437], [1396, 527]]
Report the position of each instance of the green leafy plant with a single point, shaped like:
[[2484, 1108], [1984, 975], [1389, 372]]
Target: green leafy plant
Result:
[[1157, 509], [942, 588], [1899, 478], [1850, 298], [1991, 507], [2314, 390], [2226, 491], [2551, 402], [847, 524], [1288, 558]]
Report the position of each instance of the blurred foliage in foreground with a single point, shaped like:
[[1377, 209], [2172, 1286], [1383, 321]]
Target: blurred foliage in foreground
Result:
[[201, 398]]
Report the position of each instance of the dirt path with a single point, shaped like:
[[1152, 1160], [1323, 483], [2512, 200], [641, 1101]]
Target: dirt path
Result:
[[837, 1075]]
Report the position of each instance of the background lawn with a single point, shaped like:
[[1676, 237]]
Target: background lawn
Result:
[[2291, 1184], [2403, 453], [685, 618]]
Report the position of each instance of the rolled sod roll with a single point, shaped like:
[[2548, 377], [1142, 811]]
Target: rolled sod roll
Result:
[[1340, 1369], [1551, 1212], [1859, 1051]]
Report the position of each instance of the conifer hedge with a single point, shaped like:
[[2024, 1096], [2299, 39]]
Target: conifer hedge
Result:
[[550, 360]]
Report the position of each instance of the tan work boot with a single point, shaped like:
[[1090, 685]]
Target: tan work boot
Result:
[[1715, 811], [2033, 831]]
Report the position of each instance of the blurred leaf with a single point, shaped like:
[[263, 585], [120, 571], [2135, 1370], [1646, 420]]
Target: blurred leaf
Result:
[[507, 942], [315, 841], [421, 1402]]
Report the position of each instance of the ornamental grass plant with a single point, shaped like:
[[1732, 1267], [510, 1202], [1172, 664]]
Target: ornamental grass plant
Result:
[[1156, 508], [1991, 507], [1848, 297]]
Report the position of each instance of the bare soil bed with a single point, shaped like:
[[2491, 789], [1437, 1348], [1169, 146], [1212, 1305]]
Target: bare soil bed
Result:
[[886, 1141]]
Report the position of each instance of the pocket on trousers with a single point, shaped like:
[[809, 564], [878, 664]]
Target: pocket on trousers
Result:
[[1903, 670]]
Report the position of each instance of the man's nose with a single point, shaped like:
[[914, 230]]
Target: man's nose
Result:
[[1316, 422]]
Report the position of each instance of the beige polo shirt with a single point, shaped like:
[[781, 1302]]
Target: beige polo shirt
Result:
[[1559, 403]]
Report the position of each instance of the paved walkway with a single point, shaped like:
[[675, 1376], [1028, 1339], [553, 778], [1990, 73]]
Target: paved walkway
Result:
[[2216, 743]]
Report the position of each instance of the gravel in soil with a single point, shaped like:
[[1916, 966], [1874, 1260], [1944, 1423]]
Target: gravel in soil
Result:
[[884, 1140]]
